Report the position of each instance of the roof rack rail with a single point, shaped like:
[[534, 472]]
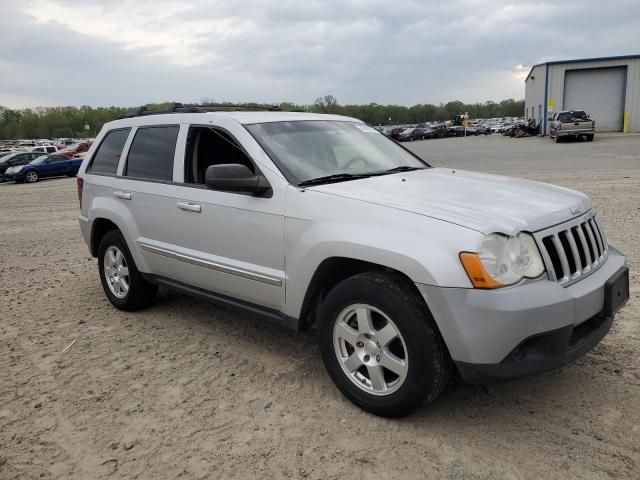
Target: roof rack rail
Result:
[[191, 108]]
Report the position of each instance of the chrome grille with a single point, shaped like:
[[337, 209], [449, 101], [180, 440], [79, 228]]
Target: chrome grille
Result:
[[573, 249]]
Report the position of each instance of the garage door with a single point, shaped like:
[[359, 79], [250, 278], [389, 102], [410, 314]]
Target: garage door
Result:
[[599, 92]]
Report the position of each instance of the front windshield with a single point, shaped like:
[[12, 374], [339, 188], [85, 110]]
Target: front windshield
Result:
[[316, 148], [39, 160]]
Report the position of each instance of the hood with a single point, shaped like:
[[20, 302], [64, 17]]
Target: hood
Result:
[[483, 202]]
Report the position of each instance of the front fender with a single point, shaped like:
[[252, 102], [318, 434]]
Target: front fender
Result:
[[424, 249]]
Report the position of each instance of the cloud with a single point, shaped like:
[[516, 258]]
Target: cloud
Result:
[[130, 52]]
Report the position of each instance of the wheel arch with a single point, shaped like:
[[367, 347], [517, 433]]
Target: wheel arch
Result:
[[329, 273], [100, 227]]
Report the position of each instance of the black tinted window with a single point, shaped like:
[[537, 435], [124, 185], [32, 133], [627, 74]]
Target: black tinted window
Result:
[[106, 159], [151, 153]]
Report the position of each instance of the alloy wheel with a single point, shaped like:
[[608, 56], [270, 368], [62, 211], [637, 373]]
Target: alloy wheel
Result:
[[116, 271], [370, 349]]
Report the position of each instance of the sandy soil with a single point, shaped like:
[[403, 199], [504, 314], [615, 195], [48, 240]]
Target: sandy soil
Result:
[[190, 390]]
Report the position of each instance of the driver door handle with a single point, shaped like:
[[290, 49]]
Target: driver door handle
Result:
[[190, 207], [122, 195]]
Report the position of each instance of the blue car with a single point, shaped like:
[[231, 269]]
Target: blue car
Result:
[[55, 165]]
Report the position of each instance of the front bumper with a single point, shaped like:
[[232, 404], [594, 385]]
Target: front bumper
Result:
[[540, 353], [14, 176], [495, 335]]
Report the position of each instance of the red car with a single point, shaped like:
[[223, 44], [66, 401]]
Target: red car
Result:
[[75, 149]]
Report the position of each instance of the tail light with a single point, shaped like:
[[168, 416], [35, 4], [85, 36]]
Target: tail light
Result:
[[80, 183]]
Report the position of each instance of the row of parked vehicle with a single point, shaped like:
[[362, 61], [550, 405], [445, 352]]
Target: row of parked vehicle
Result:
[[425, 132], [41, 162], [463, 127]]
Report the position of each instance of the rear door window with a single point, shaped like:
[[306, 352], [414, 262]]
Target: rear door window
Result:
[[106, 158], [151, 153]]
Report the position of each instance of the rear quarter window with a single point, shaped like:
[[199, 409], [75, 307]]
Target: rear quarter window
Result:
[[151, 153], [106, 158]]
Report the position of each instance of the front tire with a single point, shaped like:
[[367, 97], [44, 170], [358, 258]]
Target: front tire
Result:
[[380, 344], [31, 176], [122, 282]]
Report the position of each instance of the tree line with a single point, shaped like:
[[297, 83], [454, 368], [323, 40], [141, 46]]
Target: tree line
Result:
[[63, 122]]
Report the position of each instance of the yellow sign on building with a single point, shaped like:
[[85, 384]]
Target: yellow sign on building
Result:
[[551, 103]]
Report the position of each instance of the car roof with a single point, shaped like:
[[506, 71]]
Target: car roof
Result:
[[244, 118]]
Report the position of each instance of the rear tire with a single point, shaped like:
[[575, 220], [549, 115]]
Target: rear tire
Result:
[[391, 378], [590, 138], [122, 282]]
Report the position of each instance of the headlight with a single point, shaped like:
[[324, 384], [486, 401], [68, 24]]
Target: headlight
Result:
[[17, 169], [503, 260]]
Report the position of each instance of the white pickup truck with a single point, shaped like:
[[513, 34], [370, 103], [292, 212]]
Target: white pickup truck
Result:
[[572, 123]]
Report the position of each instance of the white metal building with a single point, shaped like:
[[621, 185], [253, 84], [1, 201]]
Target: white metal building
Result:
[[607, 88]]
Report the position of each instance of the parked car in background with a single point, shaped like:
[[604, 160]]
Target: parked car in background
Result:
[[45, 149], [414, 133], [483, 130], [395, 132], [14, 159], [406, 135], [56, 165], [457, 131], [75, 149], [439, 131], [572, 123], [65, 142]]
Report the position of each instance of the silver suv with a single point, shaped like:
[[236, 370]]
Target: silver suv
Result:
[[408, 272]]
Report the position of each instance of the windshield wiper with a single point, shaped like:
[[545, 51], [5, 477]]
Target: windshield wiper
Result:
[[337, 177], [403, 168], [342, 177]]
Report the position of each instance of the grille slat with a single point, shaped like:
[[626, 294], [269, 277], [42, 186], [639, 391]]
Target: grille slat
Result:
[[574, 252], [603, 239], [574, 249], [597, 237], [562, 255], [585, 247], [592, 242]]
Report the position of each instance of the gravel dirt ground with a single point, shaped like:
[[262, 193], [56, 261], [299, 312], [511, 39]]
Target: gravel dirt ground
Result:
[[190, 390]]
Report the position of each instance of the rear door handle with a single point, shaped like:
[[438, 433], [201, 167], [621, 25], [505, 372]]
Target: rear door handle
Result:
[[122, 195], [190, 207]]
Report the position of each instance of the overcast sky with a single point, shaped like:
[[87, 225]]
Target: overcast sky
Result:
[[132, 52]]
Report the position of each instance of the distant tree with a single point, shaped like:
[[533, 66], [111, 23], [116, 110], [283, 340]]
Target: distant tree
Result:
[[326, 104], [56, 122]]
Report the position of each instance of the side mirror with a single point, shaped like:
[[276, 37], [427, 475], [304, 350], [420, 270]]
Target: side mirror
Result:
[[234, 177]]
